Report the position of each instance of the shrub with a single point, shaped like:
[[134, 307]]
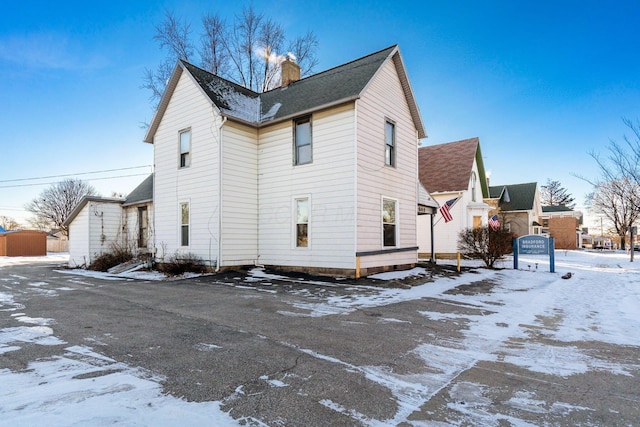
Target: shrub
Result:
[[485, 243], [117, 255], [178, 264]]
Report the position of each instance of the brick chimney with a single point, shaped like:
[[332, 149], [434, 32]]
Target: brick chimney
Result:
[[289, 72]]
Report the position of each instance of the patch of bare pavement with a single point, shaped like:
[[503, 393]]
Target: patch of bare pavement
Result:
[[296, 350]]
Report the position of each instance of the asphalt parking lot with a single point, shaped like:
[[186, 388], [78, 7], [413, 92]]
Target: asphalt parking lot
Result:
[[304, 351]]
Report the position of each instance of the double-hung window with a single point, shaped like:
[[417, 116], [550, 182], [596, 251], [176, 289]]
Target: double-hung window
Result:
[[390, 143], [302, 222], [184, 224], [389, 222], [185, 148], [302, 141]]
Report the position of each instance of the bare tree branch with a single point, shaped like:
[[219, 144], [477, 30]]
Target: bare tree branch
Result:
[[213, 51], [55, 203]]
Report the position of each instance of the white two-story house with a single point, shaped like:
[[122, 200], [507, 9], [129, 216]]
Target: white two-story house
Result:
[[452, 172], [318, 175]]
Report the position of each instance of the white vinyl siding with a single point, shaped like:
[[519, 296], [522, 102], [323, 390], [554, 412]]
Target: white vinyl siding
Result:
[[384, 99], [79, 239], [187, 109], [240, 195], [104, 231], [329, 182]]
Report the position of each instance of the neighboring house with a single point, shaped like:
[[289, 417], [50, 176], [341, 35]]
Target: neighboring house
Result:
[[23, 243], [98, 225], [517, 206], [564, 225], [454, 170], [316, 175]]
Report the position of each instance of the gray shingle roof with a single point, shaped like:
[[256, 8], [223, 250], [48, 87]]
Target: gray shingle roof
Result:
[[331, 87], [556, 208], [142, 193]]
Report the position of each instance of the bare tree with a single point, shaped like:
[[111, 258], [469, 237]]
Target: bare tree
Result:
[[173, 36], [271, 41], [616, 201], [616, 193], [55, 204], [214, 55], [623, 161], [9, 223], [554, 194], [303, 49], [248, 52], [242, 44]]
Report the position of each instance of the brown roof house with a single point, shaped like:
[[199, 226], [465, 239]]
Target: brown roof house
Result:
[[517, 206], [564, 225], [454, 175]]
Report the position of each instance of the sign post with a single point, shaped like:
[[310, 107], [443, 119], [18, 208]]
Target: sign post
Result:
[[534, 244]]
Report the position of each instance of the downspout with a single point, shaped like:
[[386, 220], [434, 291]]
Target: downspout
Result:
[[355, 186], [224, 120]]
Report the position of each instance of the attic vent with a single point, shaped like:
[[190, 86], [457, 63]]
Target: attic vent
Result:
[[289, 72]]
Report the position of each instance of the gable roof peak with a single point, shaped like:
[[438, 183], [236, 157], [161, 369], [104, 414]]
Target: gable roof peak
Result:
[[447, 167]]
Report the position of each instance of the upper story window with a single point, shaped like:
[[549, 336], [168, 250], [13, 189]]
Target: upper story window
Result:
[[302, 141], [390, 143], [185, 148]]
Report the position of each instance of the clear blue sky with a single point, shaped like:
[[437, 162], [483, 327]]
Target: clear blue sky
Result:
[[542, 84]]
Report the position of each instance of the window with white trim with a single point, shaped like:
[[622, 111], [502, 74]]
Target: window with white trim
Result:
[[184, 224], [474, 181], [389, 222], [185, 148], [390, 143], [302, 141], [302, 222]]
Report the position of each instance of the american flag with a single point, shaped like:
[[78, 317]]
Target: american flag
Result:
[[444, 210], [494, 222]]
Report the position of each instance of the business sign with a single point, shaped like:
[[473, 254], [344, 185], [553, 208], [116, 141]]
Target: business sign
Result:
[[533, 245]]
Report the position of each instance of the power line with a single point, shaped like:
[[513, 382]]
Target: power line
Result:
[[72, 174], [58, 182]]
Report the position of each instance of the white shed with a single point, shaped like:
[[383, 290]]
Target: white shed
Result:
[[94, 226]]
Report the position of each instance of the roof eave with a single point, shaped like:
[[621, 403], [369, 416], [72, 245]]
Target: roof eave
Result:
[[137, 202], [308, 111], [83, 202]]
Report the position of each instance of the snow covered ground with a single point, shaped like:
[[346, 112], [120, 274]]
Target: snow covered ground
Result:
[[600, 302]]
